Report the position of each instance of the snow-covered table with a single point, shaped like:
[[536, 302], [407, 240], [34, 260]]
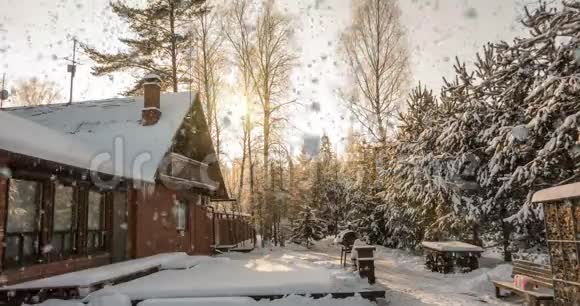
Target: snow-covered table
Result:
[[81, 283], [442, 256], [270, 276], [451, 246]]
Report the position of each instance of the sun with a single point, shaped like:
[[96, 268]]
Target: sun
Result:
[[237, 104]]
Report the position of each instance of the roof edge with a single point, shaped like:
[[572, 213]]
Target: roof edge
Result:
[[557, 193]]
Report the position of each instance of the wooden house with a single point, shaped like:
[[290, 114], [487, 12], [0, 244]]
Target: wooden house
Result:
[[562, 219], [90, 183]]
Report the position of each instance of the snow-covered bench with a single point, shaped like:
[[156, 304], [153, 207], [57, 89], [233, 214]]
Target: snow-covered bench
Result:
[[81, 283], [539, 275]]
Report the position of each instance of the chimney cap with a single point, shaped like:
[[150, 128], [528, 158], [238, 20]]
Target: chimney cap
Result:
[[152, 78]]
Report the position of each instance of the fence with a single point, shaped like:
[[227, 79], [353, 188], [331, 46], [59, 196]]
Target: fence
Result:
[[233, 229]]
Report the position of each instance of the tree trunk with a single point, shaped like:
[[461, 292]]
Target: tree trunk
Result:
[[217, 137], [243, 165], [173, 47], [505, 229], [266, 154], [246, 140]]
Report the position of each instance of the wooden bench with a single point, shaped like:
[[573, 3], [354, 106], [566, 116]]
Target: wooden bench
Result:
[[539, 275]]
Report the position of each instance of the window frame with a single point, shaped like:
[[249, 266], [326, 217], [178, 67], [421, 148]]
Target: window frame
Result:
[[74, 225], [96, 239], [181, 210], [36, 235]]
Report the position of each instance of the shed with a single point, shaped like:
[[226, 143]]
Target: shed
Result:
[[562, 220]]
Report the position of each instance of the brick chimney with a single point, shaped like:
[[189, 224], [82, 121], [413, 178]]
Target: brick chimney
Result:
[[152, 100]]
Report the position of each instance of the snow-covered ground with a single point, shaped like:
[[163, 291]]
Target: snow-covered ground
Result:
[[226, 279], [224, 301], [277, 272], [408, 283], [223, 280]]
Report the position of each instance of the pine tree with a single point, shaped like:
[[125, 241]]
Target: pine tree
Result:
[[308, 228], [160, 43], [411, 205]]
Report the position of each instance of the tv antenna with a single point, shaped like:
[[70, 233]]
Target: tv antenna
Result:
[[72, 69]]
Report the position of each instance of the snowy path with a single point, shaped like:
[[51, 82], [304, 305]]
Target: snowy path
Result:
[[409, 284]]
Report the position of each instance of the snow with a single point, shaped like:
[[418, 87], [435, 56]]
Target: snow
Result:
[[365, 247], [339, 238], [150, 76], [403, 275], [451, 246], [53, 302], [408, 283], [104, 136], [520, 133], [277, 272], [50, 145], [110, 300], [292, 300], [217, 301], [107, 300], [188, 262], [85, 278]]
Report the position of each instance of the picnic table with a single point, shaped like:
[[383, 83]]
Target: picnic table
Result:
[[445, 256]]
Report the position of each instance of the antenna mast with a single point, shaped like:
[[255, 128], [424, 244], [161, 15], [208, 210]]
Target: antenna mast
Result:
[[72, 69]]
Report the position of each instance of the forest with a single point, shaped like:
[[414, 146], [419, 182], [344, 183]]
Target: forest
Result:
[[461, 164]]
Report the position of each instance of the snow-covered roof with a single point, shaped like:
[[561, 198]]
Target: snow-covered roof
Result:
[[557, 193], [104, 136], [451, 246]]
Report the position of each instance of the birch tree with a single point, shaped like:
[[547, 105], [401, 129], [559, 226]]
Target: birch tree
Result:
[[377, 59], [266, 59], [273, 63], [208, 67], [237, 34]]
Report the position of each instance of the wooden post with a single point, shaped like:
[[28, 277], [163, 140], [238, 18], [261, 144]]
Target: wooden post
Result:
[[46, 218], [131, 222], [108, 222], [82, 220]]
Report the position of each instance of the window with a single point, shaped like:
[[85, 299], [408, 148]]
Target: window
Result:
[[22, 228], [180, 213], [62, 236], [95, 223]]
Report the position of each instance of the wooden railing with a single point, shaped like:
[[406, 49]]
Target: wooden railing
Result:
[[96, 239], [62, 238], [21, 259], [181, 168]]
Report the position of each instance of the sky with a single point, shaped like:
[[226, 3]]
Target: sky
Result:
[[36, 37]]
